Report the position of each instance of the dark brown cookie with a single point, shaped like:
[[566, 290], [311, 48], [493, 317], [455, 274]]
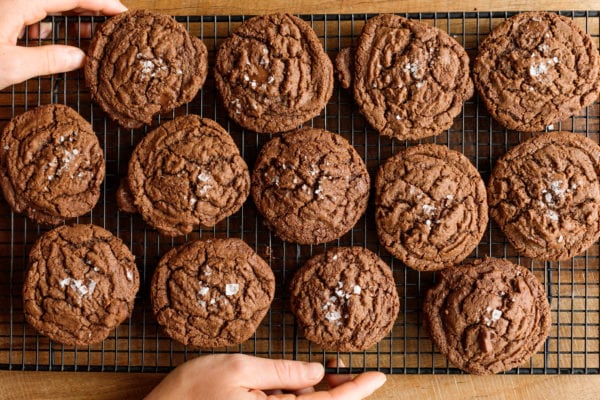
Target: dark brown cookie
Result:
[[311, 186], [81, 283], [410, 79], [51, 164], [487, 317], [535, 69], [345, 299], [211, 293], [185, 173], [430, 207], [344, 66], [141, 63], [545, 195], [273, 74]]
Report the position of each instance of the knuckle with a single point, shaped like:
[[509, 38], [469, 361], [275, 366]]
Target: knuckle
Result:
[[238, 364], [284, 371]]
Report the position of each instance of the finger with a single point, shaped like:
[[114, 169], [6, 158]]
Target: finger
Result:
[[358, 388], [20, 14], [334, 380], [21, 63], [40, 31], [262, 373], [306, 390], [105, 7]]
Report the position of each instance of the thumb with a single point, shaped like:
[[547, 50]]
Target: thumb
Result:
[[20, 63], [262, 373]]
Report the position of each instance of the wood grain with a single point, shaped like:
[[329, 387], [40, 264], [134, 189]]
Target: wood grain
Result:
[[113, 386], [68, 385], [237, 7]]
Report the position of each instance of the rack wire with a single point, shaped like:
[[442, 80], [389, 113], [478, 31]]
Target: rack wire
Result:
[[138, 345]]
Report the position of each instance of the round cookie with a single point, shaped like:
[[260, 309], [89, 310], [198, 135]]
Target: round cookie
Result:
[[545, 195], [51, 164], [410, 79], [141, 63], [430, 207], [345, 299], [311, 186], [535, 69], [185, 173], [81, 283], [273, 74], [211, 293], [487, 317]]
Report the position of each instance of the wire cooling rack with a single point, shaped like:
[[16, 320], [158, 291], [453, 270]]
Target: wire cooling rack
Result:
[[139, 345]]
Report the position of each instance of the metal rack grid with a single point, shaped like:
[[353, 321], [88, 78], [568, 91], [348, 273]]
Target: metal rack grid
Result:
[[573, 346]]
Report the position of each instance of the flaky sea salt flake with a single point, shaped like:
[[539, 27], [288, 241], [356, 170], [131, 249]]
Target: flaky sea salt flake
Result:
[[231, 289], [332, 316]]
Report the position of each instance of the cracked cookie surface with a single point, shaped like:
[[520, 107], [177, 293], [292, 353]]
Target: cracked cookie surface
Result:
[[142, 63], [51, 164], [311, 186], [487, 317], [430, 207], [536, 69], [345, 299], [211, 293], [81, 283], [545, 195], [273, 74], [410, 79], [185, 173]]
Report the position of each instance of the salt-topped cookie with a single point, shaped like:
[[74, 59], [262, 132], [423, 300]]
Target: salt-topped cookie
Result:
[[345, 299], [81, 283], [211, 293], [536, 69]]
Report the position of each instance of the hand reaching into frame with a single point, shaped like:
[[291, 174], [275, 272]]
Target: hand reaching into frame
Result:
[[241, 377], [19, 63]]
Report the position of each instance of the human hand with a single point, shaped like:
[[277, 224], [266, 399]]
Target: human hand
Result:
[[20, 63], [237, 376]]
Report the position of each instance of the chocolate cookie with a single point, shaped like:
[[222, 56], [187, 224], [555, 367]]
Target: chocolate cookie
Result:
[[545, 195], [535, 69], [273, 74], [311, 186], [487, 317], [51, 164], [81, 283], [141, 63], [410, 79], [430, 207], [185, 173], [345, 299], [211, 293]]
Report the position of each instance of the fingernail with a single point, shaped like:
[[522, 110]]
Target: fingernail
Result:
[[381, 378], [74, 57], [314, 371], [45, 29], [121, 6]]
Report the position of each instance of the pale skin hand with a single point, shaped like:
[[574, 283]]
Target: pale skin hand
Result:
[[19, 63], [237, 376]]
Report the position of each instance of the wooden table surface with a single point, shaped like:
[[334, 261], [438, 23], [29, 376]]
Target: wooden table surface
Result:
[[34, 385]]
